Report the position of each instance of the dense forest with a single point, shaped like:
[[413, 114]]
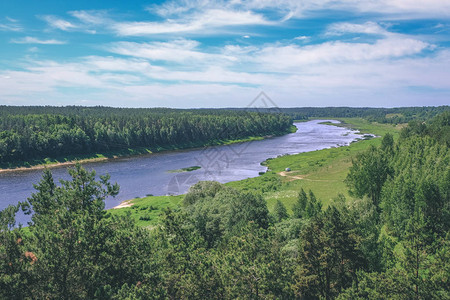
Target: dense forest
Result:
[[36, 132], [390, 242], [394, 115]]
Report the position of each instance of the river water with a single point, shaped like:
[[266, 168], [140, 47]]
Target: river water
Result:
[[148, 174]]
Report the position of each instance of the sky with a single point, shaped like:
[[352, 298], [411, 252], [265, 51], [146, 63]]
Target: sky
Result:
[[211, 53]]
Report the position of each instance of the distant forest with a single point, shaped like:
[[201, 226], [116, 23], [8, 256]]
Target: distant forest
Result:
[[34, 132], [382, 115], [37, 132]]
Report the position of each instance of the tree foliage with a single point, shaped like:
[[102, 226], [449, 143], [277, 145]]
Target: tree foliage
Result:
[[39, 132]]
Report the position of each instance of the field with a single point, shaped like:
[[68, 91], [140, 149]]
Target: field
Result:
[[322, 172]]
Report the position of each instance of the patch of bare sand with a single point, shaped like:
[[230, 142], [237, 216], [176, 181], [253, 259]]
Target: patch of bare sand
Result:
[[126, 203], [291, 176]]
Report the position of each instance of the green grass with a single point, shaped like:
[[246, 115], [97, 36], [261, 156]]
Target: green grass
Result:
[[146, 211], [390, 116], [188, 169]]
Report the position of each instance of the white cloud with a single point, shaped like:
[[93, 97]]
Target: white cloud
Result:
[[293, 56], [33, 40], [200, 23], [176, 51], [59, 23], [91, 17], [114, 64], [298, 9], [171, 8], [302, 38], [367, 28], [11, 20], [413, 8], [395, 8], [11, 25], [284, 8]]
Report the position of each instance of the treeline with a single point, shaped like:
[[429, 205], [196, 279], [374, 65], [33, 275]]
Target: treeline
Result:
[[394, 115], [392, 242], [38, 132], [437, 128]]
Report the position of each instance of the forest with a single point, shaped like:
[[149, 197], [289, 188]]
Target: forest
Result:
[[37, 132], [393, 115], [390, 242]]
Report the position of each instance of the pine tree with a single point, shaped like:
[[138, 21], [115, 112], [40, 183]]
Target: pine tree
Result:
[[280, 211], [298, 210], [313, 206]]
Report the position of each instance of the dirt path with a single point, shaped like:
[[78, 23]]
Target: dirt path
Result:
[[126, 203], [292, 176]]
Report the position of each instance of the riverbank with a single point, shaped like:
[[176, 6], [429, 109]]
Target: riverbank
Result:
[[71, 160], [322, 171]]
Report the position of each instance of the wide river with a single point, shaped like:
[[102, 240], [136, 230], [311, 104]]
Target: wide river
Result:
[[149, 174]]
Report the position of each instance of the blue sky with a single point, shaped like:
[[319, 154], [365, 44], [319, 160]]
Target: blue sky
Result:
[[201, 53]]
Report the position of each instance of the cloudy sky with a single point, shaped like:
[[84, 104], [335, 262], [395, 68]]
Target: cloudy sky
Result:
[[205, 53]]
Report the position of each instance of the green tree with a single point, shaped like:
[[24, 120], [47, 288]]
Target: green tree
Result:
[[64, 220], [15, 260], [313, 206], [252, 266], [298, 210], [280, 211], [368, 174], [216, 210], [328, 258], [188, 271], [78, 248], [387, 143]]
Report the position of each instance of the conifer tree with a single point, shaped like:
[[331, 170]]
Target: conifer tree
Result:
[[298, 210], [280, 211]]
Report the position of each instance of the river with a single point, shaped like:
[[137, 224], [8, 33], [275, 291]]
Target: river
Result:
[[149, 174]]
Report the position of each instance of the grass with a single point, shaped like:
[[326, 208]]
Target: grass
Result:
[[322, 171], [390, 116], [188, 169], [146, 211]]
